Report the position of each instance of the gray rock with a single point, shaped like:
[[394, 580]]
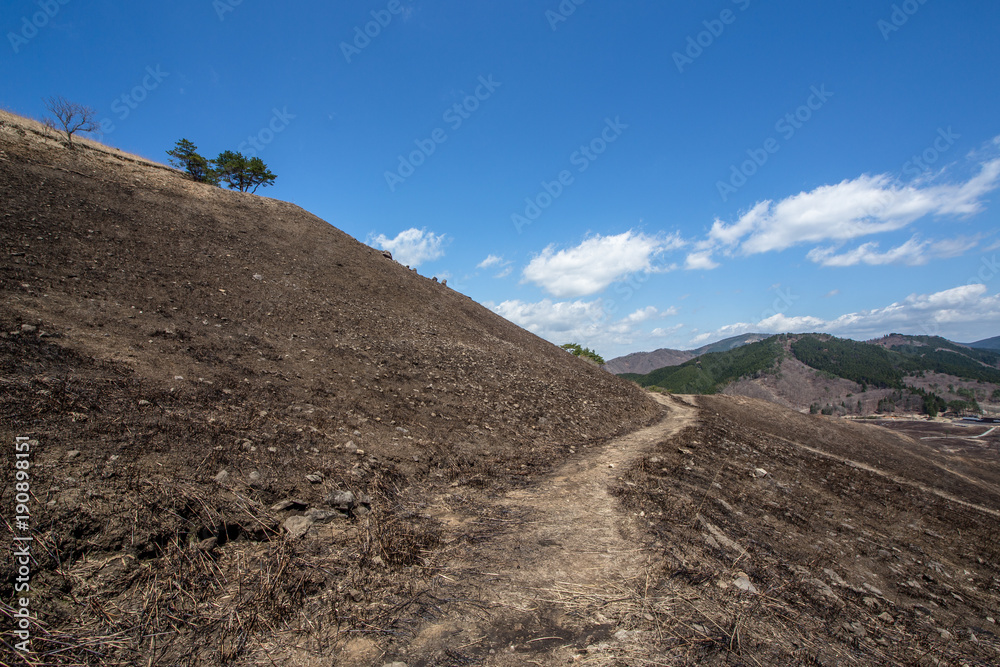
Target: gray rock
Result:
[[341, 500], [297, 526], [289, 504], [222, 477], [256, 481], [825, 593], [317, 515], [314, 478], [743, 583], [28, 328], [886, 617], [856, 629], [72, 454]]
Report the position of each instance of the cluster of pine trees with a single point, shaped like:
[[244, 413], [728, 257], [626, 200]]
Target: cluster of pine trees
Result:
[[232, 168]]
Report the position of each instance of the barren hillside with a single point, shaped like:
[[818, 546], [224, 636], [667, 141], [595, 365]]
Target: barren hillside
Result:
[[186, 357]]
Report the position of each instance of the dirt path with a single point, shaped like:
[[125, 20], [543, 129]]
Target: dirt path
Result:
[[549, 583]]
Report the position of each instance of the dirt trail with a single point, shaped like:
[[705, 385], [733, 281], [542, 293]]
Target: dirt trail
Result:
[[548, 583]]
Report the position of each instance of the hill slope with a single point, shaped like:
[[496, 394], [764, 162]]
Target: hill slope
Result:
[[910, 373], [645, 362], [185, 357], [987, 343]]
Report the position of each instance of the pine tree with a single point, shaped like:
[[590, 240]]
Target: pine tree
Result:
[[185, 156], [242, 173]]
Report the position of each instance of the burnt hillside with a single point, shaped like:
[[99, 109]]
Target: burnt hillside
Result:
[[186, 357]]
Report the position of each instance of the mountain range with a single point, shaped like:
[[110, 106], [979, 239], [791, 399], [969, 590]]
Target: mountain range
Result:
[[909, 373]]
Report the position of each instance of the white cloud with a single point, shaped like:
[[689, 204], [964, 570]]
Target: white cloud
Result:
[[850, 209], [491, 260], [643, 314], [700, 260], [940, 313], [912, 253], [596, 263], [506, 272], [412, 247], [586, 322], [663, 332]]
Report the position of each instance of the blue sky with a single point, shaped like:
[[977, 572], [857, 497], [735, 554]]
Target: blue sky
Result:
[[627, 176]]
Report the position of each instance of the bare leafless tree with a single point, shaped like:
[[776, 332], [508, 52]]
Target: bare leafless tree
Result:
[[72, 116]]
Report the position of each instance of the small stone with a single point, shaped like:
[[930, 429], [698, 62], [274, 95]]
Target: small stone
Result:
[[28, 328], [257, 276], [872, 589], [289, 504], [342, 500], [317, 515], [314, 478], [759, 472], [742, 582], [273, 450], [222, 477], [144, 402], [394, 664], [886, 617], [297, 526], [871, 603], [350, 447], [256, 481], [945, 635], [856, 629], [72, 454]]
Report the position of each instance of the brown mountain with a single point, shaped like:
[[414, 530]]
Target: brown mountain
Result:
[[646, 362]]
